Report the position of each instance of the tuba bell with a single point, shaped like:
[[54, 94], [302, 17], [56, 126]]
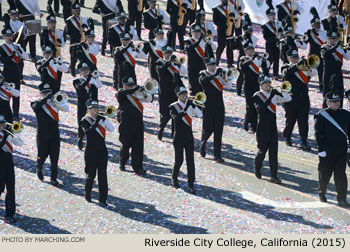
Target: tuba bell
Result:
[[199, 99], [60, 98]]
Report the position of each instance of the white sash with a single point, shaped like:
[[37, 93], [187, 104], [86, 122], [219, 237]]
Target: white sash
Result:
[[332, 121]]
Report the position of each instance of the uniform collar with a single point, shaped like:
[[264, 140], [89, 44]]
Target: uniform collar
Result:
[[182, 104], [267, 94]]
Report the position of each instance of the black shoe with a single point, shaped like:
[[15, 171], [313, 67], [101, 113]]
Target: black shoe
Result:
[[141, 172], [305, 147], [288, 142], [40, 175], [176, 183], [258, 174], [275, 180], [103, 204], [160, 134], [103, 53], [57, 14], [122, 167], [191, 190], [80, 143], [219, 159], [322, 197], [239, 93], [10, 219], [72, 72], [33, 59], [344, 204], [245, 126], [88, 198], [202, 151], [54, 182]]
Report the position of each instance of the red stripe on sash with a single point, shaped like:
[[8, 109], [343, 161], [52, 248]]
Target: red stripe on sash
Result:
[[131, 58], [52, 71], [52, 36], [272, 106], [78, 23], [174, 69], [103, 130], [6, 93], [9, 145], [93, 58], [53, 112], [160, 53], [199, 50], [139, 104], [304, 77], [14, 56], [255, 67], [339, 55], [187, 117], [218, 83]]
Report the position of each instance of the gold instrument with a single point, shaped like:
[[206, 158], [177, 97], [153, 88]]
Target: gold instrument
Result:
[[240, 15], [182, 11], [229, 21], [16, 127], [57, 46], [150, 86], [286, 87], [341, 30], [199, 99], [109, 111], [180, 61], [313, 61], [95, 74], [82, 31], [60, 98], [140, 5], [193, 7], [294, 17], [346, 11], [9, 86]]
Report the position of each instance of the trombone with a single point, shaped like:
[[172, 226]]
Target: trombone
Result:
[[179, 61], [286, 87], [16, 128], [313, 61], [199, 99], [108, 112]]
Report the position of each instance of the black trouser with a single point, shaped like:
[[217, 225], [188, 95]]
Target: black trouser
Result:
[[251, 116], [5, 110], [320, 74], [334, 162], [56, 5], [67, 12], [15, 100], [153, 71], [193, 79], [7, 180], [96, 163], [179, 30], [274, 56], [11, 4], [116, 83], [164, 111], [267, 141], [134, 140], [55, 85], [105, 33], [213, 122], [188, 145], [14, 77], [297, 111], [151, 35], [31, 39], [222, 43], [73, 50], [81, 113], [49, 145]]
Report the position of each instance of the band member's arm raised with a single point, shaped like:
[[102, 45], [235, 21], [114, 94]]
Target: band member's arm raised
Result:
[[38, 104], [288, 70], [88, 128], [122, 93]]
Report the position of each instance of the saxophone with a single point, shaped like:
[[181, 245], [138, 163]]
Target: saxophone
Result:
[[193, 7], [346, 11], [140, 6], [294, 17], [181, 13], [240, 15], [229, 22]]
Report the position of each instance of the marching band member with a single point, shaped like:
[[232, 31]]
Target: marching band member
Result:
[[332, 132], [196, 49], [272, 32], [284, 9], [154, 50], [50, 68], [297, 110], [213, 85], [265, 102], [333, 55], [135, 14], [6, 93], [123, 26], [169, 70], [131, 129], [49, 37], [176, 27], [14, 23], [107, 9], [191, 10], [89, 50], [153, 17], [125, 56], [11, 55], [26, 11], [48, 135], [56, 7], [237, 5], [7, 170], [74, 28], [250, 65], [333, 21], [316, 38], [290, 41], [220, 16], [67, 9], [208, 29], [86, 87], [182, 112], [96, 154]]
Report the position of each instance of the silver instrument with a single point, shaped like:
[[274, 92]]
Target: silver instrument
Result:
[[33, 27], [60, 98]]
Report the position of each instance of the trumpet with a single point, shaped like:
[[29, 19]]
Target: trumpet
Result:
[[9, 85], [138, 47], [57, 60], [199, 99], [109, 111], [263, 56], [150, 86], [60, 98], [286, 87], [16, 128], [313, 61], [95, 74]]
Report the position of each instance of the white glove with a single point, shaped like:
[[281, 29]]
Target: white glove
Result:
[[348, 150], [322, 154]]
